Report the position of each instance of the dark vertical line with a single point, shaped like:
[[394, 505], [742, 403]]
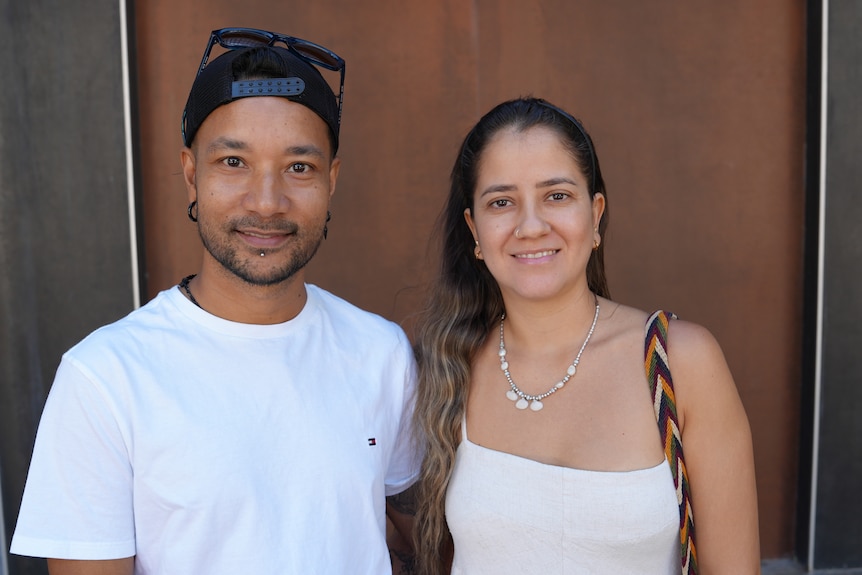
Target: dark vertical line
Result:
[[813, 107], [4, 549]]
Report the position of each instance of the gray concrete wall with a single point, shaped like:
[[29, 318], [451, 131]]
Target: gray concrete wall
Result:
[[65, 264], [4, 564], [838, 509]]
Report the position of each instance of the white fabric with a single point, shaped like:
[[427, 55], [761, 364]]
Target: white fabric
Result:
[[511, 515], [207, 446]]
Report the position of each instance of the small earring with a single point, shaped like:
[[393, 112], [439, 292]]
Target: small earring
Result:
[[192, 206], [325, 227], [477, 251], [595, 245]]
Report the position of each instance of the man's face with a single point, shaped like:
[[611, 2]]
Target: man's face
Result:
[[262, 173]]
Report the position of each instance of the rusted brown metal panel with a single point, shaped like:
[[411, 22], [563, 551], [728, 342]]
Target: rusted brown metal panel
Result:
[[698, 116], [697, 111]]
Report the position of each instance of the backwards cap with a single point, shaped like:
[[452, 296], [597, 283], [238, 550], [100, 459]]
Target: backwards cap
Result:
[[259, 71]]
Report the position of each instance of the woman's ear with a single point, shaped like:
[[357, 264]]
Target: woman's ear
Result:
[[598, 209], [468, 217]]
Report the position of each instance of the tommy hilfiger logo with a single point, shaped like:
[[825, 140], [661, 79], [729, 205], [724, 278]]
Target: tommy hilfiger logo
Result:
[[372, 441]]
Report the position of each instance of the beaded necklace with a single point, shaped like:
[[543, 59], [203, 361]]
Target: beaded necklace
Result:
[[184, 285], [521, 399]]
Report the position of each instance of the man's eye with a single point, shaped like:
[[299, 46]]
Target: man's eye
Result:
[[233, 162], [558, 196], [299, 167]]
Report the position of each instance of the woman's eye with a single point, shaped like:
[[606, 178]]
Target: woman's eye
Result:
[[559, 196], [500, 203]]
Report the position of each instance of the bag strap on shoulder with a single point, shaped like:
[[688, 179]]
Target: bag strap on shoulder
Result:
[[664, 402]]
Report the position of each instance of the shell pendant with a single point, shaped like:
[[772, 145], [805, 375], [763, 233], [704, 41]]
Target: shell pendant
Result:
[[534, 402], [523, 403]]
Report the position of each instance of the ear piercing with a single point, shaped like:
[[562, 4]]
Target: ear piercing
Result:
[[192, 206], [325, 227]]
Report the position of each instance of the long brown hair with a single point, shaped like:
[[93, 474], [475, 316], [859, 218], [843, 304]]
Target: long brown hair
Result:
[[464, 306]]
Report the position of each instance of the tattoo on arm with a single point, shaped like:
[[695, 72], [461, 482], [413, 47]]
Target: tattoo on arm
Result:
[[404, 502], [407, 561], [401, 508]]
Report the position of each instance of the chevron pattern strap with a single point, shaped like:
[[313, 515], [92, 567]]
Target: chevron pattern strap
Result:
[[664, 402]]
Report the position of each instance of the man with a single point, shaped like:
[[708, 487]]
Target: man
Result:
[[243, 421]]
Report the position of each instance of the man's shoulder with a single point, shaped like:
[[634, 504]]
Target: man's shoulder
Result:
[[131, 327], [341, 308]]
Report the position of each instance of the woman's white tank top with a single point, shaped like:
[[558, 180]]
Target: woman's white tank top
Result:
[[508, 514]]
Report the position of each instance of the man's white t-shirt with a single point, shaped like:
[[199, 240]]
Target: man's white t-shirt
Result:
[[201, 445]]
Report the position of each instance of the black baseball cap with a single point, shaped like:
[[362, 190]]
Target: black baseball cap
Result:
[[259, 71]]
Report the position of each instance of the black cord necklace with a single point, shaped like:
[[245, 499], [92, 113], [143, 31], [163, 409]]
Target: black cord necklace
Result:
[[184, 285]]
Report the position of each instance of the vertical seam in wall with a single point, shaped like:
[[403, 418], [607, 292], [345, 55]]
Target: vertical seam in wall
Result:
[[130, 165], [821, 249]]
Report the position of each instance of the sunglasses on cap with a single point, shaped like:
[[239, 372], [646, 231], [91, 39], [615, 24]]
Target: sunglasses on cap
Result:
[[236, 38]]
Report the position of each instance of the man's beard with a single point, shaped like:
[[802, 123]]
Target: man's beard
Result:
[[303, 244]]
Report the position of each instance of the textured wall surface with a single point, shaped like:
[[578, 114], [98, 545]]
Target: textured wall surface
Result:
[[698, 117], [838, 520], [64, 232], [697, 113]]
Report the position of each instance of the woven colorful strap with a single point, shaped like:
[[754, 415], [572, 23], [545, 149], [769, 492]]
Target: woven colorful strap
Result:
[[664, 402]]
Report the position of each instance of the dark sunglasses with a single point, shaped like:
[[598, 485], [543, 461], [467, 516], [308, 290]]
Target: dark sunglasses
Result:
[[235, 38]]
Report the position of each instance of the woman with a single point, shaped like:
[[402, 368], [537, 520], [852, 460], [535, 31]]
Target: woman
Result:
[[543, 453]]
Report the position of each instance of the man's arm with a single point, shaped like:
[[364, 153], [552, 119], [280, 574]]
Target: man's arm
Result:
[[400, 510], [109, 567]]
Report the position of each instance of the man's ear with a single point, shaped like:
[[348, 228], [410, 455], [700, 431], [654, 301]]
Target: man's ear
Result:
[[333, 174], [187, 158]]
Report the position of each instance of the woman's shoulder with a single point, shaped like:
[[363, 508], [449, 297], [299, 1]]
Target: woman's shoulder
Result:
[[621, 315], [684, 336], [691, 344], [701, 375], [691, 347], [622, 320]]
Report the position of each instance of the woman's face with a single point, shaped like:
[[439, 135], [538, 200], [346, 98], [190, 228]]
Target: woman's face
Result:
[[533, 216]]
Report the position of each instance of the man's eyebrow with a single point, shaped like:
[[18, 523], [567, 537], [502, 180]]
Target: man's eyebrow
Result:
[[226, 143], [308, 150]]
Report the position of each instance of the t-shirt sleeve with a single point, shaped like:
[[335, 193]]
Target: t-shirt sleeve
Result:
[[77, 501], [404, 464]]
